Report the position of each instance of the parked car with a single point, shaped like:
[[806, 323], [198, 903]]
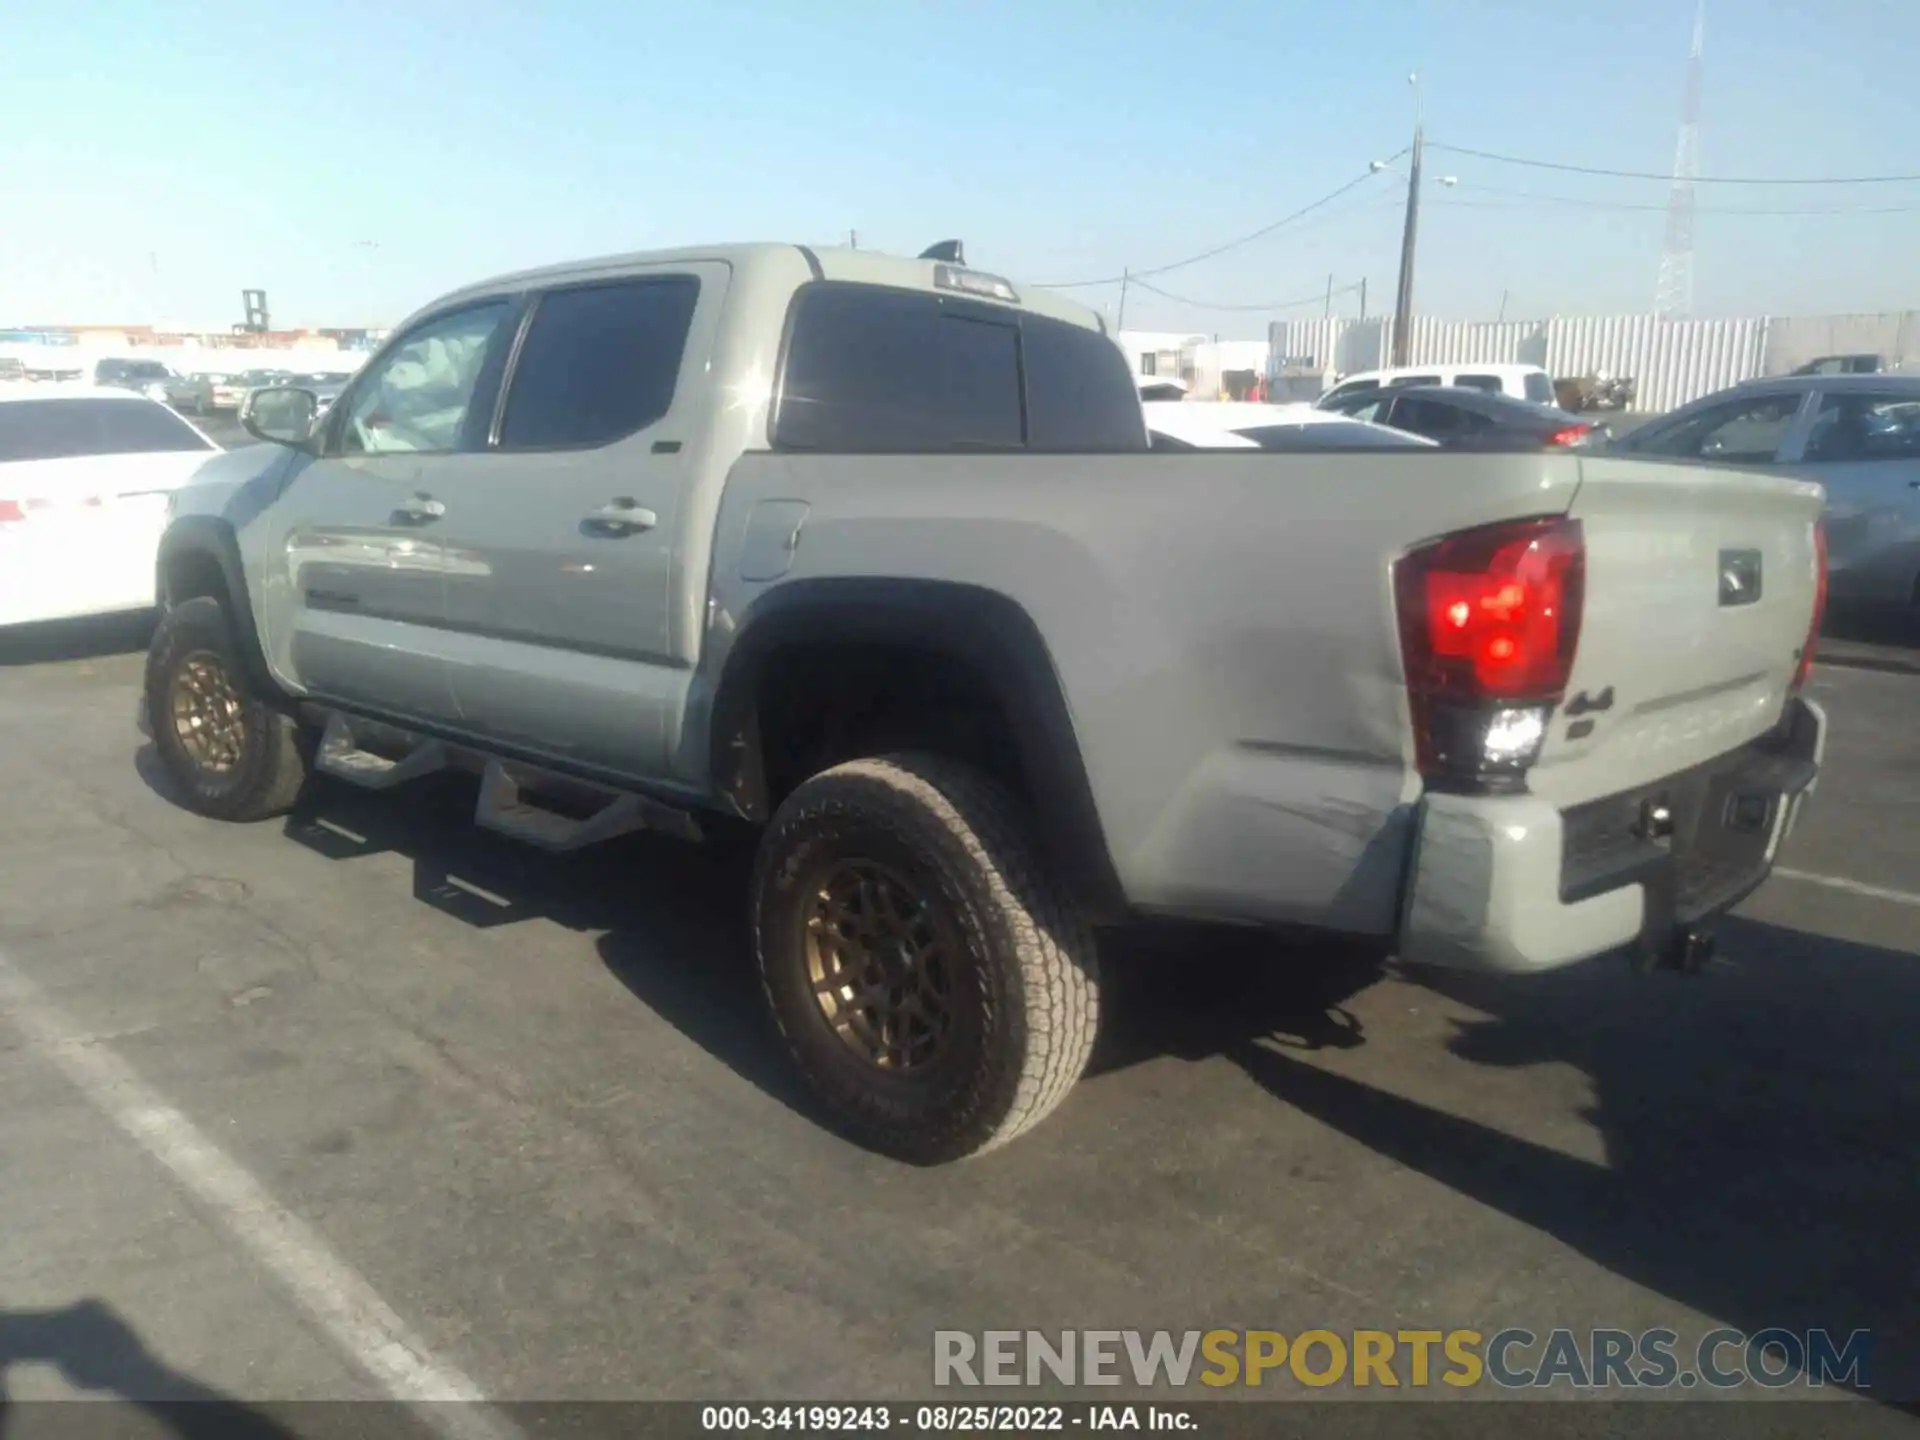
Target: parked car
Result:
[[871, 555], [48, 370], [230, 392], [1463, 418], [12, 371], [1520, 382], [145, 377], [1845, 365], [326, 385], [1225, 425], [84, 477], [192, 393], [1857, 435]]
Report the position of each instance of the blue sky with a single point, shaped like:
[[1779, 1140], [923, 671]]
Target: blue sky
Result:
[[355, 159]]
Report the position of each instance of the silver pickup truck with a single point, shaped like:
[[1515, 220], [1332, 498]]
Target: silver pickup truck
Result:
[[871, 554]]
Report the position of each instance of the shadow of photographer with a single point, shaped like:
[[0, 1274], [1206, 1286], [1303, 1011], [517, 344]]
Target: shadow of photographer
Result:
[[96, 1351]]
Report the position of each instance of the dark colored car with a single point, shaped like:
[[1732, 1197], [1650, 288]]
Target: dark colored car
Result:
[[1844, 365], [146, 377], [1462, 418]]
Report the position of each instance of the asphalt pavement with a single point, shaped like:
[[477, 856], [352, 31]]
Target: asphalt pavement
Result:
[[372, 1103]]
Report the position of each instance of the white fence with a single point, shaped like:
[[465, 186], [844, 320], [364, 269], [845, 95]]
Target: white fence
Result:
[[1670, 361]]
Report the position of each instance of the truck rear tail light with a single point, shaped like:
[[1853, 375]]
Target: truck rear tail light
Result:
[[1805, 668], [1489, 620]]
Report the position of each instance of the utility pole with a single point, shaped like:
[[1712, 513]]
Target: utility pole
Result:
[[1363, 297], [1403, 300], [1121, 323], [1503, 309], [1328, 313], [853, 239]]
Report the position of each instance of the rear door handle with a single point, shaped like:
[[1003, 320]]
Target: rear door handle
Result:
[[624, 516], [419, 509]]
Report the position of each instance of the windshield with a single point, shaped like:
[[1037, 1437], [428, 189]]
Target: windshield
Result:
[[63, 429]]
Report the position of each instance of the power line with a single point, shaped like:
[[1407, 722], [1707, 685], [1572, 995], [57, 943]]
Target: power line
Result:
[[1265, 230], [1317, 298], [1668, 179], [1523, 200]]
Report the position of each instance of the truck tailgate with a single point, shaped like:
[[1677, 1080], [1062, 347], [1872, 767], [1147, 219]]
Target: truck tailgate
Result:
[[1700, 591]]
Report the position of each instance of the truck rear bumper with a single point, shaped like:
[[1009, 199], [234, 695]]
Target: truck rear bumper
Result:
[[1513, 884]]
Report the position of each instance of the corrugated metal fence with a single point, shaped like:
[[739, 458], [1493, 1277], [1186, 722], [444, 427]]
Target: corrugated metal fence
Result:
[[1671, 361]]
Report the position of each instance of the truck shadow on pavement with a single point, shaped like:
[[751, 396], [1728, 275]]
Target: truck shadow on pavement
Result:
[[1761, 1124], [97, 1352], [1761, 1128], [672, 923]]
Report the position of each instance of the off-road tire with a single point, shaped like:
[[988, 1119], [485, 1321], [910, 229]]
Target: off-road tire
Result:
[[1025, 977], [267, 778]]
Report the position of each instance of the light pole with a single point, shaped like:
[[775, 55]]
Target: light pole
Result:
[[1409, 237], [1403, 297]]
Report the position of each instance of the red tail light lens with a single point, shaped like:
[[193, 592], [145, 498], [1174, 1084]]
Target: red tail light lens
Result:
[[1805, 668], [12, 512], [1489, 620], [1572, 435]]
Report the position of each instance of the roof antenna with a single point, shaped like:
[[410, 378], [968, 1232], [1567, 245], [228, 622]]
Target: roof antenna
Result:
[[947, 250]]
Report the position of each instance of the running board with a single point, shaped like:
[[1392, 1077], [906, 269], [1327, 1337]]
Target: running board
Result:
[[340, 755], [507, 808]]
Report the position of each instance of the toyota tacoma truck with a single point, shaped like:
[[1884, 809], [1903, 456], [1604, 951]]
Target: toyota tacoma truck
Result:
[[871, 554]]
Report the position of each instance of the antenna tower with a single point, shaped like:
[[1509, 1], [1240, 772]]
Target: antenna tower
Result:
[[1673, 296]]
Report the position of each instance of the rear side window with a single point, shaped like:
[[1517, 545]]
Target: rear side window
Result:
[[875, 370], [599, 362], [1539, 388], [1490, 383], [878, 370], [1400, 380], [1436, 419], [1080, 394], [64, 429]]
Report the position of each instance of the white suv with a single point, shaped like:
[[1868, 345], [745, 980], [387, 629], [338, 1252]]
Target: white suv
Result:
[[1522, 382]]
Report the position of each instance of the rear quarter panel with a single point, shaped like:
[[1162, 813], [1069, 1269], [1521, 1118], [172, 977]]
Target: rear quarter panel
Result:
[[1221, 625]]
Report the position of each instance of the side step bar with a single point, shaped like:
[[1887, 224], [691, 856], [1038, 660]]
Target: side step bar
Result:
[[508, 808], [341, 756], [516, 799]]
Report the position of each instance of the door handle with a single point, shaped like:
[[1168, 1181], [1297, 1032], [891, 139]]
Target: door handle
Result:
[[419, 509], [624, 516]]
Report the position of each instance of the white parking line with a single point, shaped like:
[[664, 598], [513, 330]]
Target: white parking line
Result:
[[1851, 887], [324, 1286]]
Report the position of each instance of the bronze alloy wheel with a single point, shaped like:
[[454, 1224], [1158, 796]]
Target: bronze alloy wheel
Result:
[[209, 717], [879, 954]]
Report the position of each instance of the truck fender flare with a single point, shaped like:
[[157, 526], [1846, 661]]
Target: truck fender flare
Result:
[[983, 628], [195, 540]]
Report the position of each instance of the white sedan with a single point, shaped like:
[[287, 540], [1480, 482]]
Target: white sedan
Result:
[[84, 479], [1234, 425]]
